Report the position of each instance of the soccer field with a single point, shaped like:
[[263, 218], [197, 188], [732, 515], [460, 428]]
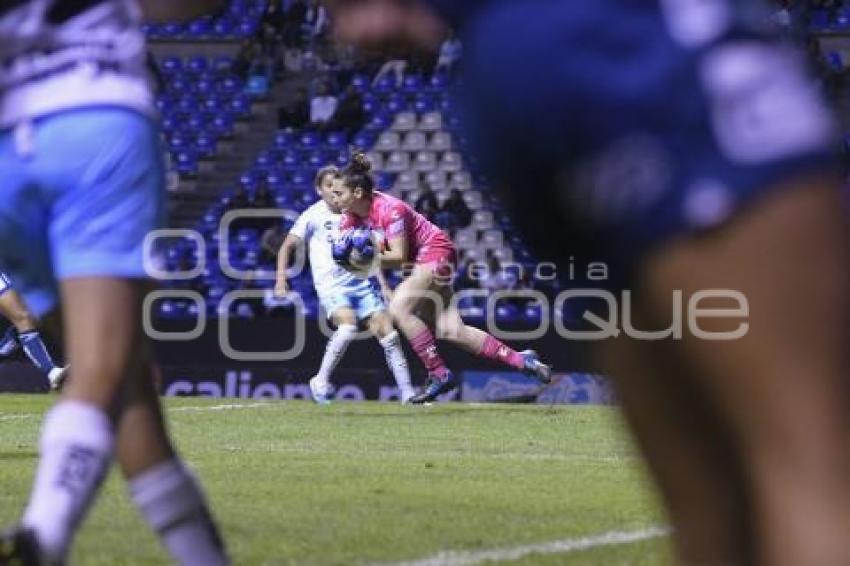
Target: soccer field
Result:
[[369, 483]]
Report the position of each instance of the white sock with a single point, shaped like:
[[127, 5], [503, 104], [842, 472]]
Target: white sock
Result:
[[171, 501], [334, 351], [397, 362], [75, 452]]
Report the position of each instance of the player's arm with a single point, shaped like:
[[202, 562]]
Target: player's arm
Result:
[[290, 243], [378, 23], [171, 10], [395, 253]]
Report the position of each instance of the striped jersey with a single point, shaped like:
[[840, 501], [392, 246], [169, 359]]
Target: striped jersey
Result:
[[62, 54]]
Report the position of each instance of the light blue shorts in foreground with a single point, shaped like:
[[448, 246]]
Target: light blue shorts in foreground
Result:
[[80, 191]]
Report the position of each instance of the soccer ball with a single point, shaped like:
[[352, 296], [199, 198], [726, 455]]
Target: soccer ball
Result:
[[356, 250]]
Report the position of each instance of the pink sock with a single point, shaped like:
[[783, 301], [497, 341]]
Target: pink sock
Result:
[[493, 349], [426, 348]]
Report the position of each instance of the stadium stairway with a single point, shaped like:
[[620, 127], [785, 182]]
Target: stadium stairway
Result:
[[194, 197]]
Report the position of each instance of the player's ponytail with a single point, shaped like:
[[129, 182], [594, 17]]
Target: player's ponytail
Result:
[[358, 173]]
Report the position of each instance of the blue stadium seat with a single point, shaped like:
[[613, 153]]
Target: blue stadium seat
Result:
[[198, 64], [396, 103], [284, 139], [363, 140], [423, 104], [223, 124], [186, 163], [205, 145], [309, 139], [361, 82], [199, 28], [336, 140], [385, 84], [439, 80], [412, 83]]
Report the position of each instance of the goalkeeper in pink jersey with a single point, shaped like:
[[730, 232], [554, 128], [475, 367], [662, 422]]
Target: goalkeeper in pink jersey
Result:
[[422, 301]]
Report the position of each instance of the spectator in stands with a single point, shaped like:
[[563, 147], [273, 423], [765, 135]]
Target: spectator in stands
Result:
[[427, 204], [263, 198], [455, 213], [395, 67], [464, 277], [270, 242], [243, 63], [269, 36], [295, 112], [322, 107], [239, 199], [781, 18], [495, 278], [316, 20], [450, 53], [248, 307], [349, 116], [293, 20]]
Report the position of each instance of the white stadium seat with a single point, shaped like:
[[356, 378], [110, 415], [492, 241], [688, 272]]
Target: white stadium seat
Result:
[[425, 161], [414, 141], [450, 161], [431, 122], [404, 122], [482, 219], [397, 161], [440, 141], [388, 141]]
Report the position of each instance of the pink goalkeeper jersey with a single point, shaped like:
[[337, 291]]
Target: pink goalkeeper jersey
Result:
[[393, 218]]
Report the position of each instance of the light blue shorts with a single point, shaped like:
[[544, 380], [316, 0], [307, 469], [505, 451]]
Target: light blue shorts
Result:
[[364, 300], [79, 191]]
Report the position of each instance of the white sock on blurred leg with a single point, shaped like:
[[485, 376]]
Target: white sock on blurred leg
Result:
[[75, 453]]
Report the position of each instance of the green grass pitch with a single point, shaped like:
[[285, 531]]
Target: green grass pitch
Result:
[[367, 483]]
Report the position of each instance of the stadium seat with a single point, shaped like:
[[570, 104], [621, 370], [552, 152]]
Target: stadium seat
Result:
[[360, 82], [431, 122], [377, 160], [412, 83], [482, 219], [404, 121], [475, 201], [396, 103], [336, 140], [363, 140], [284, 139], [440, 142], [466, 238], [460, 180], [425, 161], [397, 161], [414, 141], [424, 104], [436, 178], [492, 239], [388, 141], [450, 161]]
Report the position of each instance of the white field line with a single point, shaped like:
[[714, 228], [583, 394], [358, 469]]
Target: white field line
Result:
[[18, 417], [563, 546], [227, 407], [190, 408]]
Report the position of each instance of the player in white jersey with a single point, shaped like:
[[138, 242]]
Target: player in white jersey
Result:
[[345, 298], [83, 185], [23, 333]]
